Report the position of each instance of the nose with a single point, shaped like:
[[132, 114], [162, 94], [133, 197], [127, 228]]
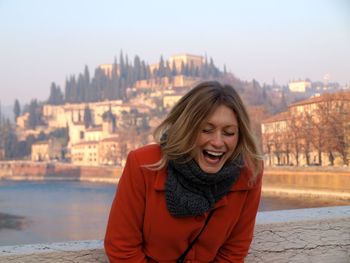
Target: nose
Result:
[[217, 140]]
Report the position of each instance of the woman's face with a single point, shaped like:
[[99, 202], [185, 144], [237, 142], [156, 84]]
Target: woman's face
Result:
[[217, 139]]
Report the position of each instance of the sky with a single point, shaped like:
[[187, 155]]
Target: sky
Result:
[[271, 40]]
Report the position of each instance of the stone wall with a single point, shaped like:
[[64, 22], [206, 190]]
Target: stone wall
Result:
[[316, 182], [22, 170], [313, 178], [317, 235]]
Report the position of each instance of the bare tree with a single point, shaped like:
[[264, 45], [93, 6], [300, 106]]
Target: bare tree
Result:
[[306, 135], [295, 137], [333, 116]]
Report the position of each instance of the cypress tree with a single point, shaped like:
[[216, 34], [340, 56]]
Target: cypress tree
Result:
[[161, 67], [34, 114], [87, 117], [173, 69], [16, 109], [137, 68]]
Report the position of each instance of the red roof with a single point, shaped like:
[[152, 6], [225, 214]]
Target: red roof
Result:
[[283, 116], [340, 96]]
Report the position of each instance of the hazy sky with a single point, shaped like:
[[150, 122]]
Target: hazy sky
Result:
[[45, 41]]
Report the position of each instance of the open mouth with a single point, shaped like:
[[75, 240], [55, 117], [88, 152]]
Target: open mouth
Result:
[[215, 156]]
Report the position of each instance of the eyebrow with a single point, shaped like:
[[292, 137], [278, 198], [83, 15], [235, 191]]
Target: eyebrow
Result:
[[231, 125]]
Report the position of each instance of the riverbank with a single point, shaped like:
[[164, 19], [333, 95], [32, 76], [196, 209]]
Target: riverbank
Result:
[[27, 170]]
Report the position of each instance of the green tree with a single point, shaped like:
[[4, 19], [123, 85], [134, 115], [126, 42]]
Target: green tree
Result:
[[161, 68], [34, 114], [56, 95], [168, 70], [173, 69], [137, 68], [8, 139], [87, 116], [16, 109], [61, 134]]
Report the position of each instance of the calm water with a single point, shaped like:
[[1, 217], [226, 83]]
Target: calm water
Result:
[[40, 212]]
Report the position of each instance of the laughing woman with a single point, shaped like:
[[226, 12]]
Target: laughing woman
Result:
[[194, 195]]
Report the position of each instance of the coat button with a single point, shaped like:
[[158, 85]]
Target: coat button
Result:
[[199, 217]]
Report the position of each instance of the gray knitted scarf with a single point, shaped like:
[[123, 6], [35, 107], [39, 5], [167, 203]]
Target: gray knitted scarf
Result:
[[190, 191]]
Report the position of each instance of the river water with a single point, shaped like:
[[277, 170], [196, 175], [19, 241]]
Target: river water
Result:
[[56, 211]]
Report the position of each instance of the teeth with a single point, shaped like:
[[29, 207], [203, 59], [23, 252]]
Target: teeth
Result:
[[215, 153]]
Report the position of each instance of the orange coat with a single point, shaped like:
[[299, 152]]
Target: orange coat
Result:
[[141, 229]]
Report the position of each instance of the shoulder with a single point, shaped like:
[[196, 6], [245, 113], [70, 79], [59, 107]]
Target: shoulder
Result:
[[148, 154], [135, 168]]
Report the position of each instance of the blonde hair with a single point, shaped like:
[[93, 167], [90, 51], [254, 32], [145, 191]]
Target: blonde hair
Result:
[[183, 123]]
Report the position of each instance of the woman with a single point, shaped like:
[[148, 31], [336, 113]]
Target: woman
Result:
[[201, 182]]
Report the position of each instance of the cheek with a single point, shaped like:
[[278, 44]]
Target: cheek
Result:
[[232, 144], [201, 140]]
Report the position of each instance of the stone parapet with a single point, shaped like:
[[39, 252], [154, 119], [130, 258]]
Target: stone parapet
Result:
[[333, 179], [300, 235]]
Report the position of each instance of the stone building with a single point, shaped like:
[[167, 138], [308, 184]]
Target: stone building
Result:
[[45, 151], [85, 153], [186, 59], [110, 151], [179, 81], [22, 121], [171, 99], [299, 86], [315, 131]]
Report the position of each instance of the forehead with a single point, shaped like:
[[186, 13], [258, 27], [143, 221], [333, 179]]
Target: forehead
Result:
[[222, 115]]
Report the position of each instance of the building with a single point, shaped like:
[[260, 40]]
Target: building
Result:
[[154, 83], [22, 121], [107, 117], [315, 131], [274, 132], [180, 61], [186, 59], [110, 151], [170, 100], [179, 81], [94, 145], [45, 151], [76, 132], [93, 133], [182, 81], [62, 116], [85, 153], [299, 86]]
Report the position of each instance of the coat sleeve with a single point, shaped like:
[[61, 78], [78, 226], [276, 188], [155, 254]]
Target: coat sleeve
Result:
[[236, 247], [123, 241]]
